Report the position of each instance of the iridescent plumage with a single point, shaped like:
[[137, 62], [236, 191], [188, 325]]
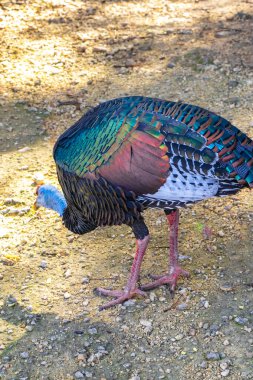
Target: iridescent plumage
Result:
[[131, 153]]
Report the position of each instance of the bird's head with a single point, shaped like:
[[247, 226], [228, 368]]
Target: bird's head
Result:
[[49, 196]]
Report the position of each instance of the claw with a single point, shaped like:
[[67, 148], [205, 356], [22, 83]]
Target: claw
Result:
[[120, 295], [167, 279]]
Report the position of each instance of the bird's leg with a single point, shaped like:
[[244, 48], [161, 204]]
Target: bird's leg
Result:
[[174, 269], [142, 238]]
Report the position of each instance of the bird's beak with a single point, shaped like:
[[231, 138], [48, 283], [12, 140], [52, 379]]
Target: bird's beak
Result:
[[35, 206]]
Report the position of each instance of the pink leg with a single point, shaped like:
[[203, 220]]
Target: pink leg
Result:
[[174, 269], [130, 289]]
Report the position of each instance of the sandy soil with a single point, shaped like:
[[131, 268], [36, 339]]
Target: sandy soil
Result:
[[58, 58]]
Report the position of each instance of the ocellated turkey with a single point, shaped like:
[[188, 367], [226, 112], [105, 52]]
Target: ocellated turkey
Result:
[[134, 153]]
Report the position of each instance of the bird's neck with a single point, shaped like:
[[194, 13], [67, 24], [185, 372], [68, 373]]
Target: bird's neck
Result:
[[58, 202]]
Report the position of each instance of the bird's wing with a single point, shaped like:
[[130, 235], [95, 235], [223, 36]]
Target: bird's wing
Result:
[[119, 142]]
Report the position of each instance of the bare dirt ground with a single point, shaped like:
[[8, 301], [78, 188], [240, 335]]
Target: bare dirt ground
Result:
[[58, 58]]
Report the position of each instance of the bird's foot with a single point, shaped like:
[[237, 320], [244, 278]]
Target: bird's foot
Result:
[[167, 279], [120, 296]]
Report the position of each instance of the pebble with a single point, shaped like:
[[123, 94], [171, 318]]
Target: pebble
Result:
[[179, 337], [67, 274], [29, 328], [67, 295], [213, 356], [43, 264], [25, 149], [81, 357], [79, 375], [225, 373], [92, 330], [225, 33], [152, 296], [100, 49], [226, 342], [182, 306], [171, 65], [241, 320], [24, 355], [11, 299], [146, 323], [226, 287], [223, 365], [129, 303], [203, 364], [88, 374]]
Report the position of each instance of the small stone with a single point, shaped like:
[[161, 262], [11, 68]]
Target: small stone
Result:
[[152, 296], [129, 62], [129, 303], [226, 342], [221, 233], [146, 323], [179, 337], [81, 357], [203, 364], [241, 320], [67, 274], [79, 375], [92, 330], [67, 295], [213, 356], [11, 299], [206, 304], [29, 328], [85, 280], [100, 49], [25, 149], [171, 65], [1, 276], [226, 287], [88, 374], [225, 33], [182, 306], [43, 264], [223, 365], [85, 302], [24, 355], [79, 332], [225, 373]]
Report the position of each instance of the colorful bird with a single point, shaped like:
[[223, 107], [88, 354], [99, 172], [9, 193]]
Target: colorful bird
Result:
[[134, 153]]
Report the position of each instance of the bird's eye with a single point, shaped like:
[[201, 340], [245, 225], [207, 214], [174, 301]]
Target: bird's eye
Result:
[[37, 190]]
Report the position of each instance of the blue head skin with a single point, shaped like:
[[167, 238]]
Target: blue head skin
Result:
[[50, 197]]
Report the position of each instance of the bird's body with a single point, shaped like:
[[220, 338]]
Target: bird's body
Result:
[[133, 153]]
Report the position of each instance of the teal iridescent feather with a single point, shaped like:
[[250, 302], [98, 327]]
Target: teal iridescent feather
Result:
[[100, 133]]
